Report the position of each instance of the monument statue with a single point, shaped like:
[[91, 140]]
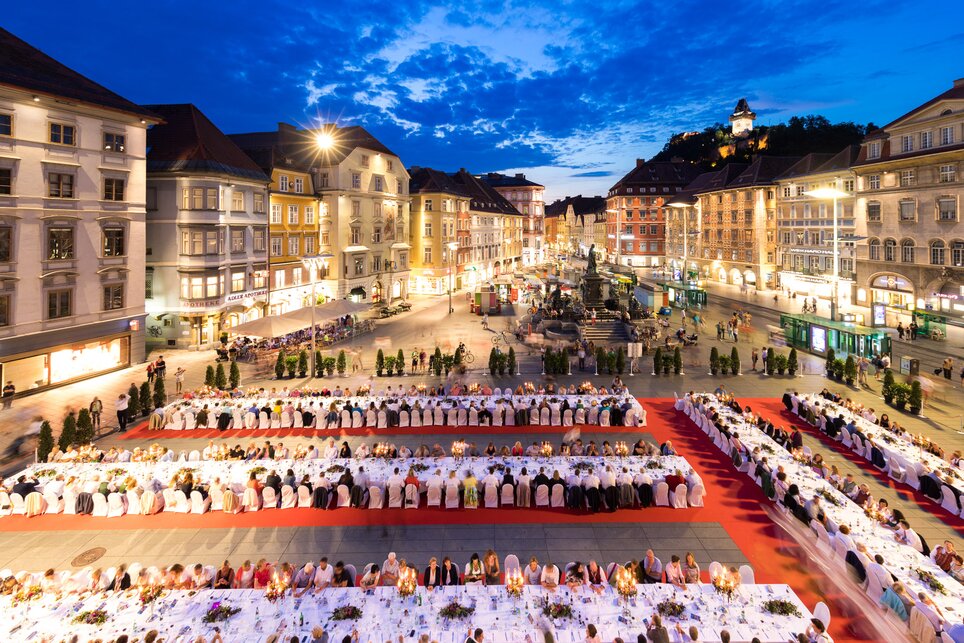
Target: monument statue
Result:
[[591, 269]]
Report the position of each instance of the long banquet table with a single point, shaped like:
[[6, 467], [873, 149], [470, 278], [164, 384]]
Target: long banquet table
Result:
[[177, 615]]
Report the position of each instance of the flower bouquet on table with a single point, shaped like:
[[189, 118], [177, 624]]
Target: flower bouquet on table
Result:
[[382, 450], [556, 610], [626, 583], [117, 472], [931, 581], [514, 583], [419, 467], [220, 612], [346, 613], [828, 496], [653, 464], [275, 590], [257, 471], [150, 593], [670, 608], [335, 468], [27, 594], [91, 617], [725, 586], [364, 390], [50, 473], [766, 448], [781, 607], [184, 471], [456, 610]]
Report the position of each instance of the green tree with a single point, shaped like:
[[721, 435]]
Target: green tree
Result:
[[611, 362], [380, 362], [792, 364], [134, 405], [234, 378], [302, 363], [209, 376], [771, 361], [677, 361], [160, 396], [547, 365], [220, 379], [85, 427], [330, 366], [494, 362], [319, 364], [68, 435], [457, 358], [916, 398], [342, 362], [399, 362], [45, 441], [830, 360], [850, 369], [600, 360], [291, 365], [620, 360], [437, 362], [511, 363], [657, 361], [888, 388], [734, 361], [279, 365], [144, 398], [714, 360]]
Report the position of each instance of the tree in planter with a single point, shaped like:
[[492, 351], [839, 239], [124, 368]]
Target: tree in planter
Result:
[[657, 361], [620, 360], [68, 435], [677, 361], [714, 360], [447, 363], [771, 361], [291, 365], [502, 360], [389, 365], [134, 404], [511, 364], [234, 376], [380, 362], [611, 362], [887, 390], [220, 379], [838, 369], [342, 362], [901, 393], [600, 360], [438, 362], [279, 365], [302, 363], [780, 362], [724, 364], [915, 401], [144, 398], [547, 364], [85, 427], [667, 364], [160, 395], [830, 359], [792, 362], [494, 361], [45, 441], [734, 361], [319, 364], [330, 364], [850, 370], [399, 362], [209, 376], [457, 358]]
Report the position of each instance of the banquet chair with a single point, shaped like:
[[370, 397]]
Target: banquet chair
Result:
[[17, 505], [911, 478], [194, 456], [350, 569], [491, 496], [558, 498], [264, 421], [212, 419], [270, 498], [237, 419], [679, 497], [199, 504], [115, 505], [100, 505], [433, 496], [150, 503], [580, 416], [5, 507], [438, 417], [823, 538], [170, 501], [404, 420], [508, 495], [544, 417], [542, 495], [820, 610], [275, 420], [593, 415], [304, 497], [54, 504], [298, 420], [845, 437], [662, 495], [839, 548], [747, 577], [894, 470], [371, 418], [509, 419], [183, 504], [463, 417], [555, 417], [567, 418], [858, 445], [523, 496], [627, 496], [949, 500], [346, 419], [190, 420], [451, 496], [288, 498], [286, 420], [343, 495], [452, 418], [176, 422], [356, 419], [382, 419], [34, 504], [395, 497], [375, 498], [604, 418], [920, 627], [511, 564], [474, 417], [411, 496], [421, 418], [250, 501], [217, 498], [874, 589], [716, 570], [696, 495]]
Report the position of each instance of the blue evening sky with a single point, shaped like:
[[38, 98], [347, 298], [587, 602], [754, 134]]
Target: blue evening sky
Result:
[[568, 92]]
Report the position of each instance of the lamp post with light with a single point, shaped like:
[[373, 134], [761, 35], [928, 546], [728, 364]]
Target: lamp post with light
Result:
[[314, 264], [834, 194], [452, 246]]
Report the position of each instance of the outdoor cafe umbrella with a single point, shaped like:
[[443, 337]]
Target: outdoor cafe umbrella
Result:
[[271, 326], [325, 312]]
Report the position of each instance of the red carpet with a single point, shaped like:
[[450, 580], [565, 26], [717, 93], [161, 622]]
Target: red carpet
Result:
[[774, 408]]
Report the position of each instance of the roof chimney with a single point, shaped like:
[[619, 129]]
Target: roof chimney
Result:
[[567, 196], [959, 82], [639, 162], [520, 176]]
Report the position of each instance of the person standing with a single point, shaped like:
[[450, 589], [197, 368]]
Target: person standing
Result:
[[161, 367], [121, 406], [150, 372], [948, 367], [754, 356], [95, 408], [764, 356], [485, 321], [9, 390], [913, 331], [593, 316], [179, 379], [900, 330]]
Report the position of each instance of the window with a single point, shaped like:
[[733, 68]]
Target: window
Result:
[[873, 182], [323, 180], [237, 281], [906, 143], [259, 239], [848, 185], [260, 278], [60, 243], [947, 134], [58, 304], [948, 174], [237, 240], [873, 150], [908, 210], [114, 242], [259, 202], [379, 184], [6, 124], [62, 134], [6, 180], [355, 236], [199, 199], [359, 266], [275, 246], [366, 160], [355, 181], [192, 243], [299, 186], [428, 205], [113, 297], [926, 140], [390, 164], [6, 243], [428, 229], [237, 201], [873, 247], [283, 183], [310, 248], [355, 209], [957, 253], [907, 251], [937, 253], [292, 215], [113, 189], [212, 243], [873, 211], [309, 215], [326, 239], [377, 235], [947, 209], [293, 246], [113, 142], [61, 186], [275, 214], [906, 178], [890, 250]]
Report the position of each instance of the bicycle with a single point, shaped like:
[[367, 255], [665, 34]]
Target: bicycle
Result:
[[501, 337]]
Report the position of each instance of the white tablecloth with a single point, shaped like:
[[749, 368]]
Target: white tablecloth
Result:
[[177, 615]]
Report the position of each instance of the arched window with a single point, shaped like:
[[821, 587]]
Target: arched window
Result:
[[937, 252], [907, 251], [874, 248], [890, 250]]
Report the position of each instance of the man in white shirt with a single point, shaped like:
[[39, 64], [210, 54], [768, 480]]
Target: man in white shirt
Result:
[[361, 479], [209, 451], [435, 480], [625, 477], [490, 480], [55, 486], [331, 451], [324, 574], [395, 480], [843, 536], [608, 478], [200, 577], [878, 570], [550, 576], [590, 480]]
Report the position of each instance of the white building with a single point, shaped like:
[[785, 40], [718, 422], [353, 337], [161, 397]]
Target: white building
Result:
[[71, 222]]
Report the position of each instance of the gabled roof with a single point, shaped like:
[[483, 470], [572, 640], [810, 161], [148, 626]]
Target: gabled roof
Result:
[[497, 180], [286, 147], [742, 109], [763, 171], [289, 143], [187, 141], [842, 160], [581, 205], [722, 179], [484, 197], [697, 185], [956, 92], [659, 173], [26, 67], [806, 165], [427, 180]]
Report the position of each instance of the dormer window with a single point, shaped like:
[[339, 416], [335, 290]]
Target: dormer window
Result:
[[873, 150]]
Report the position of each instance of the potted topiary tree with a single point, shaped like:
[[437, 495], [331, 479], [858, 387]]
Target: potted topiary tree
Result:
[[714, 360], [830, 360], [850, 370], [330, 364], [279, 365], [657, 361], [380, 362], [134, 404], [780, 362], [438, 362], [319, 364], [85, 427], [734, 361], [389, 365], [887, 390], [302, 363], [838, 369], [144, 398], [291, 365], [502, 359], [677, 361], [610, 362], [771, 362], [724, 364], [792, 362], [342, 363], [511, 363], [220, 379], [160, 395], [915, 401], [209, 375], [234, 377], [667, 364], [494, 361], [901, 393], [45, 441], [399, 362], [68, 435]]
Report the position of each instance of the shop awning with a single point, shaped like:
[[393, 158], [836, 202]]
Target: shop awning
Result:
[[271, 326], [356, 249], [326, 312], [622, 279]]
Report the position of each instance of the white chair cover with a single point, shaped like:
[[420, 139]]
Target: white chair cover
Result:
[[115, 505], [696, 495], [679, 497], [250, 501], [304, 497], [288, 498], [395, 497], [411, 496], [100, 505], [662, 494], [356, 419], [491, 497], [270, 498], [433, 496], [183, 504], [404, 420], [567, 418], [508, 495], [558, 499], [375, 498], [344, 496], [199, 504], [452, 496], [747, 577], [371, 418], [542, 495], [217, 498]]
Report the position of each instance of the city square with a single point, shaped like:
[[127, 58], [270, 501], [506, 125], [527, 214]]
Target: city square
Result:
[[353, 374]]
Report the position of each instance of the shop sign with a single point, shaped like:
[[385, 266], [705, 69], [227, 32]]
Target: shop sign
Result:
[[242, 295], [200, 303], [941, 295]]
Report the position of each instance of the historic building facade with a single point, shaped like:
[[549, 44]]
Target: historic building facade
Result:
[[437, 204], [529, 199]]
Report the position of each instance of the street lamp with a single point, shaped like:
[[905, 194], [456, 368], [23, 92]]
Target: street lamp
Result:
[[314, 264], [832, 193], [452, 247]]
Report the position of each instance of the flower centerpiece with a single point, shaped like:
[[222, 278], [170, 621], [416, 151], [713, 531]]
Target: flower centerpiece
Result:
[[871, 512], [150, 593], [625, 583], [670, 608], [514, 582], [781, 607], [473, 388], [257, 471], [725, 586], [653, 464], [382, 450], [407, 582], [419, 467], [546, 449], [91, 617], [456, 610], [220, 612], [458, 448], [365, 389], [621, 449], [275, 590], [50, 473], [335, 468], [27, 594], [829, 497], [931, 581], [346, 613], [557, 610], [421, 388]]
